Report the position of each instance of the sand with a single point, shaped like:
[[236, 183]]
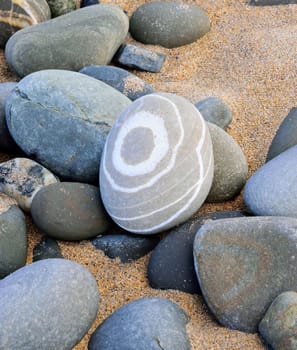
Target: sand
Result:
[[249, 60]]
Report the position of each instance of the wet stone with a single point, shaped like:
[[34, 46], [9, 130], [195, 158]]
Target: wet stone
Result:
[[47, 248]]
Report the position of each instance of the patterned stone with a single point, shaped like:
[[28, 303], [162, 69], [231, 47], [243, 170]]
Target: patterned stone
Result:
[[19, 14], [90, 35], [243, 264], [22, 178], [61, 7], [157, 165]]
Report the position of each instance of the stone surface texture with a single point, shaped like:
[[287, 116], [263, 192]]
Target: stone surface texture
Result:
[[61, 7]]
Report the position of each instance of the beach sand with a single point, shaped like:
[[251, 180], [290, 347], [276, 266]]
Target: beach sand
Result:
[[248, 59]]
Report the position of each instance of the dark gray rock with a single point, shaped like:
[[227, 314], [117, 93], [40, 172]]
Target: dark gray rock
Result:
[[272, 2], [271, 189], [285, 137], [64, 128], [169, 24], [127, 247], [47, 248], [90, 35], [85, 3], [137, 57], [144, 324], [127, 83], [278, 327], [69, 211], [61, 7], [215, 111], [171, 265], [50, 304], [243, 264], [13, 237]]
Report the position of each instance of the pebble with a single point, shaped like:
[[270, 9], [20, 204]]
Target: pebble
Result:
[[64, 128], [49, 304], [13, 237], [171, 264], [272, 2], [147, 323], [61, 7], [69, 211], [125, 246], [230, 166], [278, 327], [127, 83], [7, 143], [285, 137], [157, 164], [243, 264], [16, 15], [22, 178], [47, 248], [136, 57], [216, 111], [271, 189], [90, 35], [85, 3]]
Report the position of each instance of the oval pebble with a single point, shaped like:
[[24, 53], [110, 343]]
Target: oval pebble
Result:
[[157, 165], [22, 178], [133, 327], [69, 211], [47, 248], [169, 24]]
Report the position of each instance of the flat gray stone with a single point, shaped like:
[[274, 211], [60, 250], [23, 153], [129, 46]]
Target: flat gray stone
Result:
[[90, 35], [60, 127], [146, 324], [49, 304], [243, 264]]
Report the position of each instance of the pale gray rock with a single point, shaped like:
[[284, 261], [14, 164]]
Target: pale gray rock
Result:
[[49, 304], [243, 264], [90, 35], [64, 128], [157, 165]]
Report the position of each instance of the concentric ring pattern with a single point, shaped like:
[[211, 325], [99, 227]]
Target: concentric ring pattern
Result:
[[157, 165]]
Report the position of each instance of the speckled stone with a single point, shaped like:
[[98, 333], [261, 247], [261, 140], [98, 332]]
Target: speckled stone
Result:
[[147, 323], [243, 264], [13, 237], [61, 7], [169, 24], [69, 211], [47, 248], [125, 82], [157, 165], [230, 166], [49, 304], [90, 35], [16, 15], [70, 125], [278, 327], [22, 178]]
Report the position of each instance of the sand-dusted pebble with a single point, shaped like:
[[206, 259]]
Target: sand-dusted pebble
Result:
[[125, 82], [243, 264], [7, 143], [285, 137], [171, 264], [169, 24], [272, 2], [61, 7], [61, 127], [230, 166], [22, 178], [90, 35], [127, 247], [13, 237], [271, 189], [157, 165], [147, 323], [278, 326], [69, 211], [136, 57], [47, 248], [16, 15], [49, 304], [85, 3], [216, 111]]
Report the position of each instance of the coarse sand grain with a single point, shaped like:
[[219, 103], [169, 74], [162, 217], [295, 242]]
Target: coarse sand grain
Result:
[[248, 59]]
